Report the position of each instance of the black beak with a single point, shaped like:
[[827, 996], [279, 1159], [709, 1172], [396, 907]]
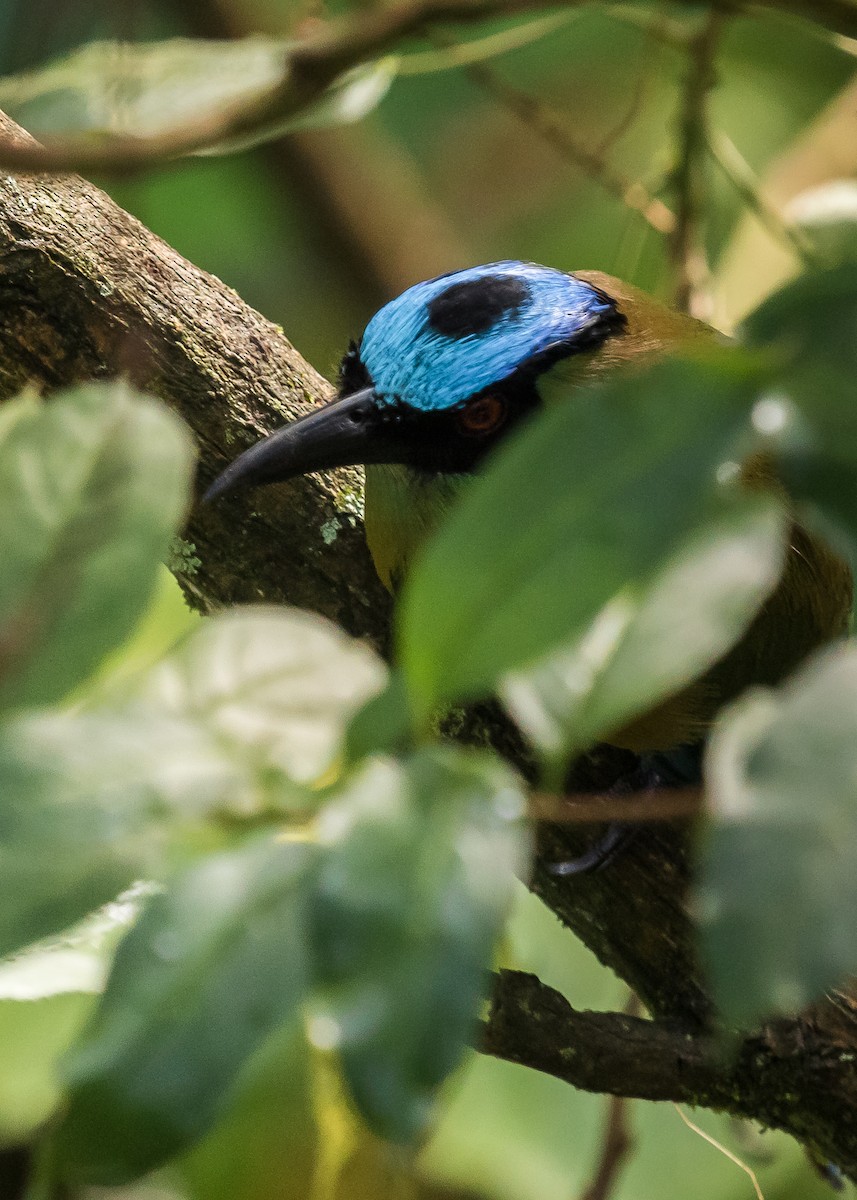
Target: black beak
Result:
[[341, 434]]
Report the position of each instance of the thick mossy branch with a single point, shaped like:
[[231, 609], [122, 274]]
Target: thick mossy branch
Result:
[[87, 292], [767, 1077]]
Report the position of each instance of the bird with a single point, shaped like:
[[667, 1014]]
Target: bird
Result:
[[452, 367]]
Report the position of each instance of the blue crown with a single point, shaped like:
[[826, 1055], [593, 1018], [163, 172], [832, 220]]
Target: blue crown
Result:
[[444, 340]]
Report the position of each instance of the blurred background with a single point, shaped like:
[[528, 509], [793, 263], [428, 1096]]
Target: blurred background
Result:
[[561, 151]]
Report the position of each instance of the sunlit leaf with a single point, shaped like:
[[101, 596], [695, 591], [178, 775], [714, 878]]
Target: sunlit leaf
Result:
[[76, 961], [210, 970], [250, 708], [594, 496], [276, 686], [417, 876], [93, 485], [649, 642], [778, 872], [153, 89]]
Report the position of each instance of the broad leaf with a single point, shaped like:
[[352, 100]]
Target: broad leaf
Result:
[[275, 687], [154, 89], [808, 417], [416, 879], [231, 727], [210, 970], [649, 642], [79, 804], [778, 886], [94, 484], [594, 496], [382, 725]]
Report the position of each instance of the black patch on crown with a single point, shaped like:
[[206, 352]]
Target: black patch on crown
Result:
[[474, 306]]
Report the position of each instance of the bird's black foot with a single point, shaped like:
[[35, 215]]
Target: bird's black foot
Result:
[[610, 846]]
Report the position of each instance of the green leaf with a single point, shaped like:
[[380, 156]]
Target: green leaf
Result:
[[94, 484], [595, 495], [807, 421], [382, 725], [155, 89], [77, 960], [75, 820], [778, 872], [275, 687], [228, 729], [211, 969], [46, 994], [649, 642], [415, 882]]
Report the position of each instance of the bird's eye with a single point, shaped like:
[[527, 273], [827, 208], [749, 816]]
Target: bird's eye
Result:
[[482, 415]]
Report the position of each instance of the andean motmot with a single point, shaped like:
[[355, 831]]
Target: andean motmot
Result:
[[448, 369]]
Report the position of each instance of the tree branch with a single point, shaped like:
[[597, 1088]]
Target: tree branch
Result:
[[766, 1077], [686, 243], [87, 291], [309, 67]]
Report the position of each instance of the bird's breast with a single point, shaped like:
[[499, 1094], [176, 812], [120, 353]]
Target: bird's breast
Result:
[[403, 508]]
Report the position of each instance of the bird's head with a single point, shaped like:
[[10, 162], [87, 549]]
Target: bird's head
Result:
[[441, 374]]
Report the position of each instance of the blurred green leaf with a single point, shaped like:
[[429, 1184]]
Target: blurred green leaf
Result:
[[593, 496], [76, 819], [153, 89], [416, 879], [274, 686], [94, 484], [35, 1034], [229, 728], [778, 871], [808, 417], [382, 725], [828, 215], [77, 960], [210, 970], [649, 642]]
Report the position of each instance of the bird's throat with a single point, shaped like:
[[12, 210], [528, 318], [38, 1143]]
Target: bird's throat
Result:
[[403, 508]]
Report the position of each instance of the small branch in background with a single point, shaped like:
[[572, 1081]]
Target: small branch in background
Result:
[[361, 192], [619, 1142], [661, 804], [311, 65], [740, 174], [686, 242], [753, 263], [618, 1146], [538, 117]]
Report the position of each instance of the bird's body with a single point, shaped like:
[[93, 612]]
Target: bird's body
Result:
[[448, 369]]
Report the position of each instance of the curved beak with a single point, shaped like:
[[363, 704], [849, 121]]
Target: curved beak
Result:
[[341, 434]]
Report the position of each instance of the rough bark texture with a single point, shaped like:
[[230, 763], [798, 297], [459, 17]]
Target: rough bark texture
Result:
[[86, 291]]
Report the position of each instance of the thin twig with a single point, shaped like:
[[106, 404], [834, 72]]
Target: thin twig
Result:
[[538, 117], [740, 174], [662, 804], [619, 1141], [686, 249], [706, 1137]]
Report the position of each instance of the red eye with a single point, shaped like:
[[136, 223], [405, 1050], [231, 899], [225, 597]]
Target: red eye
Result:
[[482, 415]]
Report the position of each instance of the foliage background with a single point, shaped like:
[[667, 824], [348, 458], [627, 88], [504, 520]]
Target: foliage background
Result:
[[316, 231]]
